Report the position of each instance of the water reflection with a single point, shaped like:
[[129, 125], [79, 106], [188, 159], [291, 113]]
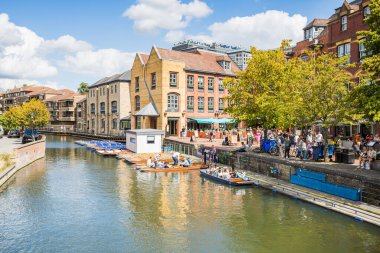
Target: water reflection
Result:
[[77, 201]]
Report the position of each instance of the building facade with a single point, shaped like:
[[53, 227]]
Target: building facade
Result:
[[81, 115], [108, 105], [62, 110], [171, 90]]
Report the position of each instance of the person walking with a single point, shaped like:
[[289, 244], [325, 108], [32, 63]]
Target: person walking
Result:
[[258, 136], [280, 144], [211, 135]]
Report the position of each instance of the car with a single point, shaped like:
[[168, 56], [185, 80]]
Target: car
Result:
[[27, 139], [1, 132], [14, 134]]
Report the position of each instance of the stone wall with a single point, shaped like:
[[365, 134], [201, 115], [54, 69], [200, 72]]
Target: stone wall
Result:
[[264, 165], [23, 156]]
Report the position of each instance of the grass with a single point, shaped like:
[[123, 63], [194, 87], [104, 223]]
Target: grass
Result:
[[6, 160]]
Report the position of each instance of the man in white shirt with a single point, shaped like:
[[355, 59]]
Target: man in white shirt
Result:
[[175, 158], [149, 163], [319, 138]]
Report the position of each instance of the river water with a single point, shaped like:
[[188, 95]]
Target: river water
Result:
[[76, 201]]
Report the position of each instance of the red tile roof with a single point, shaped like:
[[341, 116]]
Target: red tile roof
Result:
[[200, 61]]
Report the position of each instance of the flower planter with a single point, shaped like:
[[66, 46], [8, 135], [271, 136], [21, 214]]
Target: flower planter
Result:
[[189, 134]]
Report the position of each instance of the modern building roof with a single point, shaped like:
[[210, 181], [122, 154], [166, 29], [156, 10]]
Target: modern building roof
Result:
[[123, 77], [198, 60], [148, 110], [319, 22], [147, 131]]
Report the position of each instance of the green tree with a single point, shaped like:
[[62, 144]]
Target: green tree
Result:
[[32, 114], [35, 114], [365, 97], [266, 92], [83, 88]]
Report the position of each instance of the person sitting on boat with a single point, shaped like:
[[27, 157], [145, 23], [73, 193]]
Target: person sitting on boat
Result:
[[186, 163], [175, 157], [156, 159], [149, 163], [166, 165], [160, 165]]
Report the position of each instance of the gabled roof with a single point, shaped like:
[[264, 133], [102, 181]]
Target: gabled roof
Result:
[[45, 90], [123, 77], [319, 22], [65, 96], [143, 57], [199, 61], [148, 110]]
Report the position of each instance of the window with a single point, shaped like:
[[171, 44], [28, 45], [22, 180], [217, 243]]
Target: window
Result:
[[201, 83], [132, 140], [366, 11], [93, 108], [173, 79], [210, 104], [114, 124], [211, 84], [115, 88], [102, 107], [227, 65], [137, 84], [190, 82], [190, 104], [309, 33], [221, 104], [114, 106], [153, 81], [150, 139], [137, 103], [172, 103], [305, 57], [344, 50], [138, 122], [362, 52], [200, 104], [221, 85], [343, 21]]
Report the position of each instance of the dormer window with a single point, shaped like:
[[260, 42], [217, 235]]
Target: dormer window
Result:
[[226, 65], [343, 21], [366, 11]]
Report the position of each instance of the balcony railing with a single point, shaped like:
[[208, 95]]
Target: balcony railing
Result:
[[72, 118], [172, 110]]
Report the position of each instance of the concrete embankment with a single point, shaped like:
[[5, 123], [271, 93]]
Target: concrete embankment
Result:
[[22, 156]]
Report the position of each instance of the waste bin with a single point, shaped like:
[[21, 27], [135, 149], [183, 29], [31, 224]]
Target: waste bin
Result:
[[348, 158], [338, 156]]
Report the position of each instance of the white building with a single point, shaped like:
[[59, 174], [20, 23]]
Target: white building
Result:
[[144, 140]]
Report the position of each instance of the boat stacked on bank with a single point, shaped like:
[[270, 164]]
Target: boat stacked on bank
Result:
[[103, 148]]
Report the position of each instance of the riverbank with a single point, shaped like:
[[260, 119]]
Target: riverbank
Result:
[[20, 155]]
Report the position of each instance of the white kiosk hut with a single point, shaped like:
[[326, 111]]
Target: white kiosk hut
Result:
[[144, 140]]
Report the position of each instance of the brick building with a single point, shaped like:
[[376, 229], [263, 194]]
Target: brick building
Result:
[[173, 89]]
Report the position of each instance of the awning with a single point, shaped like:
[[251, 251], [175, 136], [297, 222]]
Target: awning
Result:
[[128, 118], [212, 120], [148, 110]]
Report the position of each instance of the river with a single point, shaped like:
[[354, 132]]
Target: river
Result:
[[76, 201]]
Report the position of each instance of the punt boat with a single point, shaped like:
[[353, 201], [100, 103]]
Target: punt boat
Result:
[[232, 181], [173, 169]]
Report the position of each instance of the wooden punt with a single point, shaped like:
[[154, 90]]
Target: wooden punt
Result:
[[175, 169], [107, 152], [232, 181]]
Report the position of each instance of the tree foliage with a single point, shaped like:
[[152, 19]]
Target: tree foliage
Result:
[[32, 114], [276, 92], [83, 88]]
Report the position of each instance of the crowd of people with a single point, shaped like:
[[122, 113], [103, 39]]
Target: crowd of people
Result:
[[156, 163]]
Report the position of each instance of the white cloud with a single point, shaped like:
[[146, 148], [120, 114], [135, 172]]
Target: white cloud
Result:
[[100, 63], [264, 30], [26, 57], [150, 16], [18, 52], [67, 43]]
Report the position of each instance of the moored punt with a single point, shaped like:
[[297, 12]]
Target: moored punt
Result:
[[175, 169], [231, 181], [102, 152]]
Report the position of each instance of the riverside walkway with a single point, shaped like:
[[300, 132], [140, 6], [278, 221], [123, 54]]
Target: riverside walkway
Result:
[[7, 145]]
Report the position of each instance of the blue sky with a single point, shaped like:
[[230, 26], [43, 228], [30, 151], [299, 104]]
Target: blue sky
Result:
[[61, 43]]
